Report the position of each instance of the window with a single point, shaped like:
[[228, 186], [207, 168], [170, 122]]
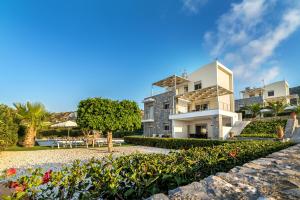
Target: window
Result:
[[186, 88], [198, 85], [201, 107], [251, 95], [166, 126], [270, 93], [166, 105]]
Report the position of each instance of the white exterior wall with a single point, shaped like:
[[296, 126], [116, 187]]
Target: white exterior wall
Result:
[[206, 74], [226, 130], [281, 88], [179, 129]]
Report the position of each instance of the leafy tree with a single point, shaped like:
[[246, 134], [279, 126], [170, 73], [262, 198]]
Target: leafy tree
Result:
[[277, 107], [107, 116], [8, 126], [32, 116], [254, 109]]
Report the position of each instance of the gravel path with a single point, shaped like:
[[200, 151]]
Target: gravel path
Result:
[[55, 159]]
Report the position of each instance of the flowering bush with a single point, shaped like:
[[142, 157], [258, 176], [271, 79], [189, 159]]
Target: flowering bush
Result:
[[138, 175]]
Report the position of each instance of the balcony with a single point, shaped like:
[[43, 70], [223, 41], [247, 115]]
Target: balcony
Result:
[[148, 117], [222, 108]]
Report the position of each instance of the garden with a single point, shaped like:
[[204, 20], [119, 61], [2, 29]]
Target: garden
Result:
[[263, 128], [137, 175]]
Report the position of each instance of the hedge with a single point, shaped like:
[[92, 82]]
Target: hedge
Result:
[[174, 143], [8, 126], [264, 127], [138, 176], [59, 133], [258, 135]]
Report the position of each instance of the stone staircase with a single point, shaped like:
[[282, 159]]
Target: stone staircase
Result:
[[238, 127], [292, 130], [275, 177]]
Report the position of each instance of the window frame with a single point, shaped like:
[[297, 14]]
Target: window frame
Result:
[[166, 104], [167, 125], [196, 84], [272, 92], [186, 88]]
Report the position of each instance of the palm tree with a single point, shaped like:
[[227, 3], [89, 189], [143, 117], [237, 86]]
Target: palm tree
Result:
[[254, 109], [277, 107], [32, 116]]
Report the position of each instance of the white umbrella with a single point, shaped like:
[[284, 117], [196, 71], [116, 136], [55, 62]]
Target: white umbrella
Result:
[[290, 108], [266, 110], [67, 124]]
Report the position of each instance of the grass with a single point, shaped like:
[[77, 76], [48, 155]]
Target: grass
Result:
[[38, 148]]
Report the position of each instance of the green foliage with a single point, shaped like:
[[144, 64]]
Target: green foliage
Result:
[[108, 115], [8, 126], [31, 114], [174, 143], [254, 109], [122, 134], [277, 107], [138, 176], [59, 133], [264, 127], [259, 135]]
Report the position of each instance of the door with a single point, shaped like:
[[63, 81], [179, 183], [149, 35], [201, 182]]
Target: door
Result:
[[201, 131]]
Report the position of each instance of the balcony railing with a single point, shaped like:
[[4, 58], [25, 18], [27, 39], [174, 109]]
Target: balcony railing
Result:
[[222, 106], [148, 117]]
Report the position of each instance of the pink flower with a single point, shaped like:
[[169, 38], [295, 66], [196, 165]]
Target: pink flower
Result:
[[20, 188], [11, 171], [13, 184], [47, 176]]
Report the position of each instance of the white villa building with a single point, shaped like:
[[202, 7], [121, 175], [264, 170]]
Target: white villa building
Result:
[[196, 105], [274, 92]]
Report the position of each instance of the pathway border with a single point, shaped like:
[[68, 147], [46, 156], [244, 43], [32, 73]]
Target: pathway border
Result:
[[276, 176]]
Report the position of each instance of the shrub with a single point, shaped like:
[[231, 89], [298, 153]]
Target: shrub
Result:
[[122, 134], [8, 126], [59, 133], [263, 127], [258, 135], [140, 175], [174, 143]]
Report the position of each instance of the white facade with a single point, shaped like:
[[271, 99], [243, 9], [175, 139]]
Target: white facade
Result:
[[277, 91], [211, 116]]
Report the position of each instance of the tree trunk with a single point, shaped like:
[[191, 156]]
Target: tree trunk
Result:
[[109, 142], [29, 139]]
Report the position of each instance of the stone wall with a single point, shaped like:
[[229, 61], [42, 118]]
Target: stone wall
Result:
[[295, 90], [161, 115], [275, 177], [247, 101]]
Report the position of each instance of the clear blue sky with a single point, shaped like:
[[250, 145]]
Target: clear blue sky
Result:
[[59, 52]]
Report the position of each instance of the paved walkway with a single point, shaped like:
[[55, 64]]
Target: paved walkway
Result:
[[275, 177]]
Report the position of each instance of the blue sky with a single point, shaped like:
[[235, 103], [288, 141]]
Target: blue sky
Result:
[[59, 52]]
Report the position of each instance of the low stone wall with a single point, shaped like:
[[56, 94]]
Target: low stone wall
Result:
[[275, 177]]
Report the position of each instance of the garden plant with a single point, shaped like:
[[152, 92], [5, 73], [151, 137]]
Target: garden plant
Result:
[[107, 116], [135, 176]]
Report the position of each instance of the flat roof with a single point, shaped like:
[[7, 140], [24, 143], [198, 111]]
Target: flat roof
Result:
[[170, 81]]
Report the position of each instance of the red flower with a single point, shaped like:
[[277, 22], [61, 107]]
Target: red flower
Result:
[[13, 184], [233, 153], [20, 188], [11, 171], [47, 176]]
